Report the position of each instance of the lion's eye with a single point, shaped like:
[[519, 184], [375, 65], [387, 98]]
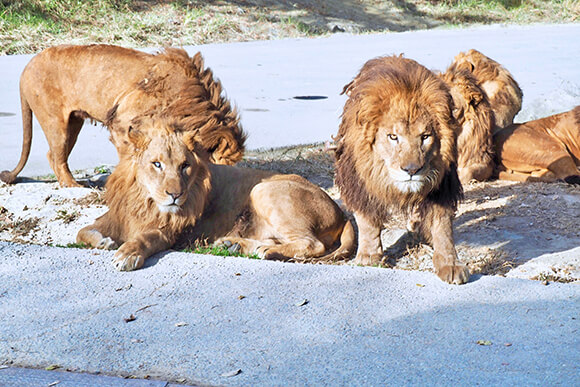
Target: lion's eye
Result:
[[184, 167], [156, 164], [393, 137], [425, 136]]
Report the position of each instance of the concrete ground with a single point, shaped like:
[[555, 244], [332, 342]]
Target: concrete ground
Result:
[[208, 320]]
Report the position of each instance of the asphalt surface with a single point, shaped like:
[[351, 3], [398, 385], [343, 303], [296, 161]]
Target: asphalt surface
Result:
[[233, 321]]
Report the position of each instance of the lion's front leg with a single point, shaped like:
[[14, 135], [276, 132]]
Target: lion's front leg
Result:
[[370, 248], [445, 262], [133, 253]]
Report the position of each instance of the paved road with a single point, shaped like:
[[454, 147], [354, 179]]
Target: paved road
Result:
[[232, 321], [203, 318]]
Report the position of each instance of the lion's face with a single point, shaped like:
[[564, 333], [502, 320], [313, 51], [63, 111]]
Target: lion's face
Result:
[[407, 150], [167, 169]]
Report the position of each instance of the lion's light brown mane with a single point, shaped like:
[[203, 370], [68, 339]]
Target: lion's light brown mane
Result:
[[503, 92], [475, 124]]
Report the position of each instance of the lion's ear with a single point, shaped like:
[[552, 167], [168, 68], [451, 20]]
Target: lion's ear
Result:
[[137, 138], [191, 139]]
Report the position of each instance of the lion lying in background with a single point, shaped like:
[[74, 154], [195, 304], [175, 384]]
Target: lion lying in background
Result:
[[396, 154], [168, 186], [503, 92], [64, 85], [475, 121], [547, 149]]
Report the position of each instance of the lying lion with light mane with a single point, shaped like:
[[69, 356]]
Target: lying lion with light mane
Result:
[[64, 85], [396, 153], [475, 119], [502, 90], [546, 150], [167, 186]]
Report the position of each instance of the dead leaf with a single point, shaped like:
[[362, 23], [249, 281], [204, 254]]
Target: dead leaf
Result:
[[181, 380], [52, 367], [483, 342], [241, 297], [130, 318], [303, 302], [420, 285], [232, 373], [508, 344], [181, 324], [238, 274]]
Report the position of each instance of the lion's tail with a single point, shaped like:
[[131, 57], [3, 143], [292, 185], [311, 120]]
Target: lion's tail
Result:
[[10, 176], [347, 244]]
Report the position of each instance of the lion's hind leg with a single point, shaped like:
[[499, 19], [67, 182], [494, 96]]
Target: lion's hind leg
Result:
[[61, 135], [275, 248], [298, 247], [91, 236]]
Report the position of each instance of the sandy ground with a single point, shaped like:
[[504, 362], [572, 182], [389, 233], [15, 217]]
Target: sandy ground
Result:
[[525, 230]]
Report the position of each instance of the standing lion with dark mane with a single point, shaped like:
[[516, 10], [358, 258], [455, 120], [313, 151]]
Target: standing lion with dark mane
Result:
[[396, 153], [64, 85]]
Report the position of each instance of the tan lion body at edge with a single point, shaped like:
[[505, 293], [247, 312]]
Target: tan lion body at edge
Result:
[[546, 150], [64, 85], [396, 154], [275, 216]]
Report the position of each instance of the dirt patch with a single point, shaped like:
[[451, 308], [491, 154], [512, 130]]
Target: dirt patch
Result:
[[526, 230]]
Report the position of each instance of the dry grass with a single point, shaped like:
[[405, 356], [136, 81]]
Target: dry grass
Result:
[[28, 26]]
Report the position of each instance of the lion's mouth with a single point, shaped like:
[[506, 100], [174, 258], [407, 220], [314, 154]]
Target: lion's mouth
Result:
[[171, 208]]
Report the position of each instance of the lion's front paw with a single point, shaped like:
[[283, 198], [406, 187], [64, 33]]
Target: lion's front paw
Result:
[[233, 247], [456, 274], [367, 259], [107, 244], [128, 258]]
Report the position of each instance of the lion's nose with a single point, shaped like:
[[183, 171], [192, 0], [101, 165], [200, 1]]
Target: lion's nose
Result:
[[174, 195], [411, 168]]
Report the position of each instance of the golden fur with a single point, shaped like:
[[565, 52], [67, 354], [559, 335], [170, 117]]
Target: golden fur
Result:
[[503, 92], [475, 119], [547, 149], [396, 153], [167, 191], [64, 85]]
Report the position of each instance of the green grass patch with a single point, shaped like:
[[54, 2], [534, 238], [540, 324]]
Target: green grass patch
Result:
[[80, 245], [220, 251]]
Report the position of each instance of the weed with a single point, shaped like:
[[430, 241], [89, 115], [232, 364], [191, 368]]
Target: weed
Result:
[[23, 227], [102, 170], [67, 217]]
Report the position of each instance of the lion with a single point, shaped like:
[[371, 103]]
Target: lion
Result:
[[167, 190], [546, 150], [503, 92], [396, 153], [64, 85], [475, 119]]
